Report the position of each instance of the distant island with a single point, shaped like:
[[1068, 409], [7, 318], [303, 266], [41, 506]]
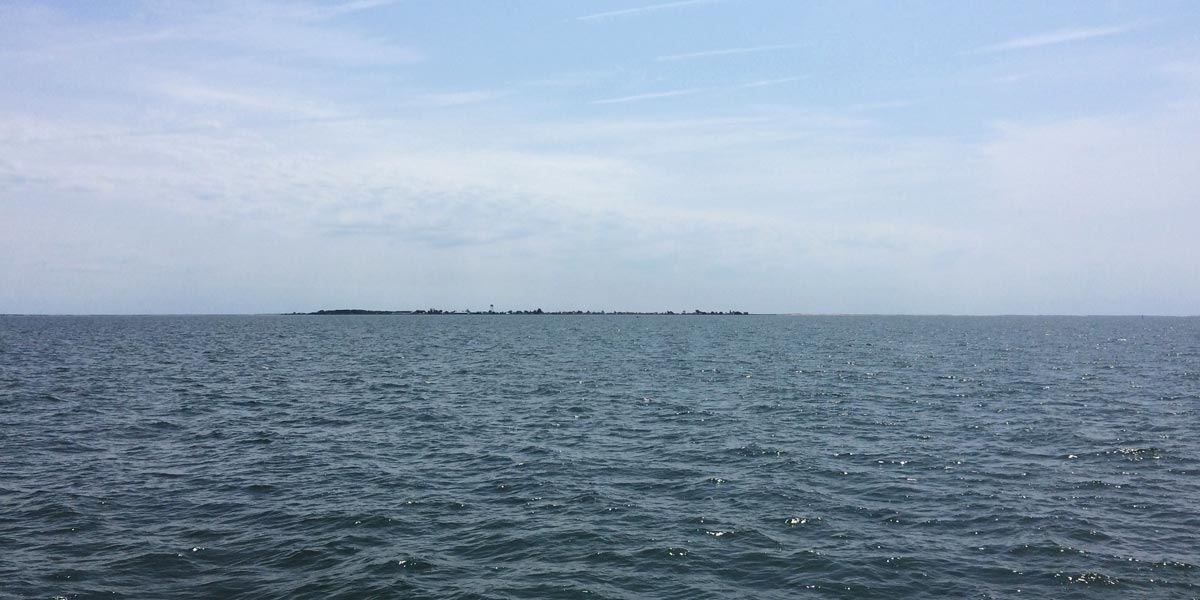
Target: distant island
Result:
[[536, 311]]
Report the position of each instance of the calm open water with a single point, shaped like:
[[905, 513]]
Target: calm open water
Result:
[[599, 457]]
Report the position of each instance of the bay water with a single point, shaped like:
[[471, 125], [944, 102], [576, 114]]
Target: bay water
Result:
[[599, 457]]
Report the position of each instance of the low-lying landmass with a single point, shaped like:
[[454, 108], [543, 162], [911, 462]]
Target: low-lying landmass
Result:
[[536, 311]]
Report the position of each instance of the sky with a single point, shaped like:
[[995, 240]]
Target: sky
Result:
[[163, 156]]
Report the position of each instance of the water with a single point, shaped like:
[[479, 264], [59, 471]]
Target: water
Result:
[[599, 457]]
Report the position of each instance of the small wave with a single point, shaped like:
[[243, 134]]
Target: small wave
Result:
[[307, 559], [405, 564], [165, 474], [386, 386], [671, 552], [1095, 484], [374, 521], [1136, 453], [165, 563], [754, 451], [798, 521], [1044, 549], [1089, 578], [1175, 564]]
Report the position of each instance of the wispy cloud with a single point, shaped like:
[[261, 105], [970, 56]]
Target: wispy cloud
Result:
[[460, 98], [650, 96], [881, 105], [1051, 38], [266, 31], [765, 82], [690, 91], [352, 6], [310, 12], [723, 52], [197, 93], [628, 12]]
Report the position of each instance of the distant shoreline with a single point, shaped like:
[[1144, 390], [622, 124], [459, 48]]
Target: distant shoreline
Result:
[[536, 311], [617, 312]]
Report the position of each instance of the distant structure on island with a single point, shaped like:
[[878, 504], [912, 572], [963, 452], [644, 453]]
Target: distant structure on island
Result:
[[492, 311]]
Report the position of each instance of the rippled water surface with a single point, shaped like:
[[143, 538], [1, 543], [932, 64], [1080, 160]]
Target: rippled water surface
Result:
[[599, 457]]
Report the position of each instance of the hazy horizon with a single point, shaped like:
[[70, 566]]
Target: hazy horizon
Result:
[[1024, 158], [404, 312]]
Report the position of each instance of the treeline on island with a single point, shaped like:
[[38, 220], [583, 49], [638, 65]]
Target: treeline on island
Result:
[[536, 311]]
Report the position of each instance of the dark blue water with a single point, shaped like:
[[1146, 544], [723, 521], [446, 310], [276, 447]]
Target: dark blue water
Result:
[[599, 457]]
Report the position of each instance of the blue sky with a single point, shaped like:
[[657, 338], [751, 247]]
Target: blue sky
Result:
[[762, 155]]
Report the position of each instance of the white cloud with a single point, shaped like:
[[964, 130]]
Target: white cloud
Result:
[[319, 11], [766, 82], [881, 105], [270, 102], [271, 32], [692, 91], [724, 52], [1096, 215], [458, 98], [639, 10], [1051, 38], [649, 96], [1083, 169]]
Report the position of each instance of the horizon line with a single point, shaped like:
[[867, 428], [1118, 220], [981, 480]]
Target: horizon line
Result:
[[594, 313]]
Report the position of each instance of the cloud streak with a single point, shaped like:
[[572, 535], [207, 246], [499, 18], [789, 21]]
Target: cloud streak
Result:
[[723, 52], [763, 83], [690, 91], [353, 6], [1052, 38], [238, 100], [629, 12], [650, 96], [263, 31]]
